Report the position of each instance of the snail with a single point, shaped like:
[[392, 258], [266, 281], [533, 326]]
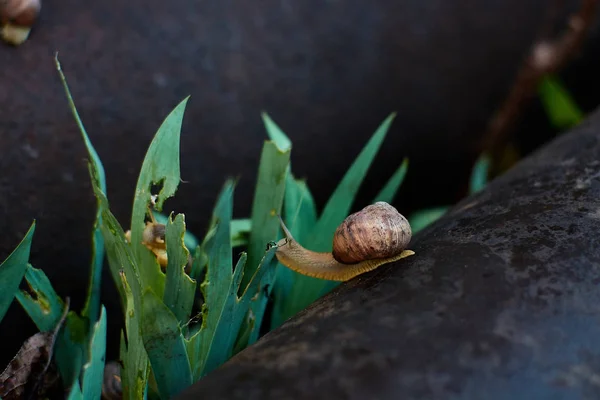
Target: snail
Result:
[[17, 17], [376, 235], [153, 238], [111, 384]]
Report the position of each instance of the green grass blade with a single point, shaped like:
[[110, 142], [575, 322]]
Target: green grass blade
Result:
[[161, 165], [275, 133], [92, 304], [479, 175], [226, 329], [390, 189], [562, 111], [76, 393], [165, 346], [46, 309], [179, 287], [125, 273], [300, 218], [119, 253], [93, 370], [306, 289], [422, 218], [12, 271], [189, 239], [70, 348], [267, 203], [339, 204], [257, 294], [134, 375], [240, 232], [217, 281]]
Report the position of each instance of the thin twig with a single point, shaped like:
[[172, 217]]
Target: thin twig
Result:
[[545, 57]]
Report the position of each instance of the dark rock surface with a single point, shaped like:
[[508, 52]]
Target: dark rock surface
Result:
[[328, 73], [501, 301]]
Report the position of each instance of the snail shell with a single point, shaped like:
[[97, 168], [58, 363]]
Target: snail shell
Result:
[[376, 231], [111, 384], [19, 12], [374, 236]]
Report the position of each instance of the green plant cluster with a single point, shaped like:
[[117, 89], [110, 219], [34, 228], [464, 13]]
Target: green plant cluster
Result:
[[180, 326]]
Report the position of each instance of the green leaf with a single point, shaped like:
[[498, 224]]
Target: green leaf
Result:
[[46, 309], [93, 370], [257, 293], [267, 203], [339, 204], [165, 346], [223, 310], [75, 393], [118, 252], [134, 375], [92, 304], [41, 303], [227, 325], [560, 107], [125, 273], [179, 287], [422, 218], [160, 166], [300, 218], [276, 134], [307, 289], [70, 348], [479, 175], [218, 278], [13, 269], [240, 232], [189, 239], [390, 189]]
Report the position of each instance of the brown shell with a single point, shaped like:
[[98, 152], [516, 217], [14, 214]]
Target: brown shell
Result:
[[19, 12], [111, 385], [376, 231]]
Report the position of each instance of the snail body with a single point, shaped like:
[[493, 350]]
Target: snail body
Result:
[[376, 235]]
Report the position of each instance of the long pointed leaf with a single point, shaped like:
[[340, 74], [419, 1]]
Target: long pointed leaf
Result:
[[93, 370], [479, 175], [161, 165], [268, 200], [218, 278], [179, 287], [275, 133], [134, 375], [390, 189], [560, 107], [306, 289], [300, 218], [92, 303], [45, 307], [165, 346], [13, 269]]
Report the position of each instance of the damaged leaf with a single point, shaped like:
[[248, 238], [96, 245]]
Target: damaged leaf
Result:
[[160, 166], [92, 304], [31, 374]]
